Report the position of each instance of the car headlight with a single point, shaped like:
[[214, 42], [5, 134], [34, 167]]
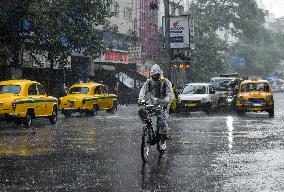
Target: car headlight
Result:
[[203, 100], [269, 98]]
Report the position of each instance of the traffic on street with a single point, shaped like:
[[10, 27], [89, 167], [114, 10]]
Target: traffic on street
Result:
[[142, 96], [218, 152]]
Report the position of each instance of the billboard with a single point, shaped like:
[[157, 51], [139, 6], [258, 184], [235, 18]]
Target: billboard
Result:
[[181, 31], [237, 62]]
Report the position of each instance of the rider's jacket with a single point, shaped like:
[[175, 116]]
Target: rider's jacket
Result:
[[162, 90]]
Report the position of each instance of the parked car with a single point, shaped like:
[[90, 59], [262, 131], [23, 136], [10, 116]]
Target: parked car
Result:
[[23, 100], [197, 97], [255, 95], [88, 98]]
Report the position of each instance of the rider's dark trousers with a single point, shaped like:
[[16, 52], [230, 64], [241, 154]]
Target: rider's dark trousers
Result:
[[161, 119]]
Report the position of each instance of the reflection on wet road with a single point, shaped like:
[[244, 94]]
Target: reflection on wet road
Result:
[[102, 153]]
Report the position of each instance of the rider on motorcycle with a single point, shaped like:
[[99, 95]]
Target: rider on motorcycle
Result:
[[157, 91]]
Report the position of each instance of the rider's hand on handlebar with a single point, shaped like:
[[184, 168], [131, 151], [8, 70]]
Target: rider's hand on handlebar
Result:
[[155, 101], [141, 102]]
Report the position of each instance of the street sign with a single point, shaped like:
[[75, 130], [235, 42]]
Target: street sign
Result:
[[180, 31], [237, 62]]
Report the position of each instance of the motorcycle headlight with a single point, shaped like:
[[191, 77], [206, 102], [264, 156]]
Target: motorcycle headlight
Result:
[[229, 100]]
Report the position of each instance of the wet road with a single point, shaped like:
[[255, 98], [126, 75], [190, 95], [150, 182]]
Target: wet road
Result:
[[102, 153]]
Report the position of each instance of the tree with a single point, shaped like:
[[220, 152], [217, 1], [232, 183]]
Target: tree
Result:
[[238, 17], [262, 52], [53, 29]]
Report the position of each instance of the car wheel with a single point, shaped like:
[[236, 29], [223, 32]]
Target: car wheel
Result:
[[113, 109], [93, 111], [54, 116], [240, 112], [208, 111], [28, 119], [67, 114], [271, 113], [18, 121]]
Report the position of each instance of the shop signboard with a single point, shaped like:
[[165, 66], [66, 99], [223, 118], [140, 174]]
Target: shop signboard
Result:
[[113, 56], [134, 52]]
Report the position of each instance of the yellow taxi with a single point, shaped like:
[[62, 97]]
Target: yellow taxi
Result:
[[255, 95], [173, 105], [23, 100], [88, 98]]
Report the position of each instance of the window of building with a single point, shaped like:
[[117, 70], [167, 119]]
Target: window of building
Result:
[[127, 13]]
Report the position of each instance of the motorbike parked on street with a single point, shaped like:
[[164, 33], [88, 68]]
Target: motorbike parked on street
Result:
[[150, 136]]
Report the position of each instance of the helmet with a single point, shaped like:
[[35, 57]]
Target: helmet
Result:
[[156, 72]]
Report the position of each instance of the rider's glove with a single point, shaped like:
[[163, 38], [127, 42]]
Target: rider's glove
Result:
[[155, 101], [141, 102]]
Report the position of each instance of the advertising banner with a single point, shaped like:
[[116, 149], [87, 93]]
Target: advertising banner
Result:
[[181, 28]]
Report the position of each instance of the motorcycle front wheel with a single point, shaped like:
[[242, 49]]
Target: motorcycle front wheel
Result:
[[145, 146], [161, 146]]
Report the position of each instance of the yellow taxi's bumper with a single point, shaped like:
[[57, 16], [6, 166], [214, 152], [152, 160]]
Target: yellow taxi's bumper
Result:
[[254, 107], [73, 110], [6, 116]]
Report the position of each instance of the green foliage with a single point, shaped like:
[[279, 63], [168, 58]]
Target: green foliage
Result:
[[262, 53], [237, 17], [50, 22]]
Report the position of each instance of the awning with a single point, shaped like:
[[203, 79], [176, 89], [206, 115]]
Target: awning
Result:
[[104, 67], [127, 80]]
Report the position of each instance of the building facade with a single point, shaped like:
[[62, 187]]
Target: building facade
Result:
[[148, 34]]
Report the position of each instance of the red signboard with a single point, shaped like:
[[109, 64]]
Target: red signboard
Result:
[[115, 57]]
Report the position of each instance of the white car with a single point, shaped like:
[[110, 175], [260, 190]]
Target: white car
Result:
[[197, 97]]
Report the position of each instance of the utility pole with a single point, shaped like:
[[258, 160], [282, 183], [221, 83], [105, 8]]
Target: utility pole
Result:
[[167, 39]]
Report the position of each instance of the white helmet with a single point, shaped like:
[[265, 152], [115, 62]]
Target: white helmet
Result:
[[155, 70]]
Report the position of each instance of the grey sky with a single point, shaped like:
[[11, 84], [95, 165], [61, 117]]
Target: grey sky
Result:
[[275, 6]]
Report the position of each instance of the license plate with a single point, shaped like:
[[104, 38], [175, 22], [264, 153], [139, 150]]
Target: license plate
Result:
[[255, 108], [190, 105]]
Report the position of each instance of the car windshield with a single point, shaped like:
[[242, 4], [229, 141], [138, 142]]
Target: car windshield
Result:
[[14, 89], [249, 87], [195, 89], [79, 90], [221, 84]]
